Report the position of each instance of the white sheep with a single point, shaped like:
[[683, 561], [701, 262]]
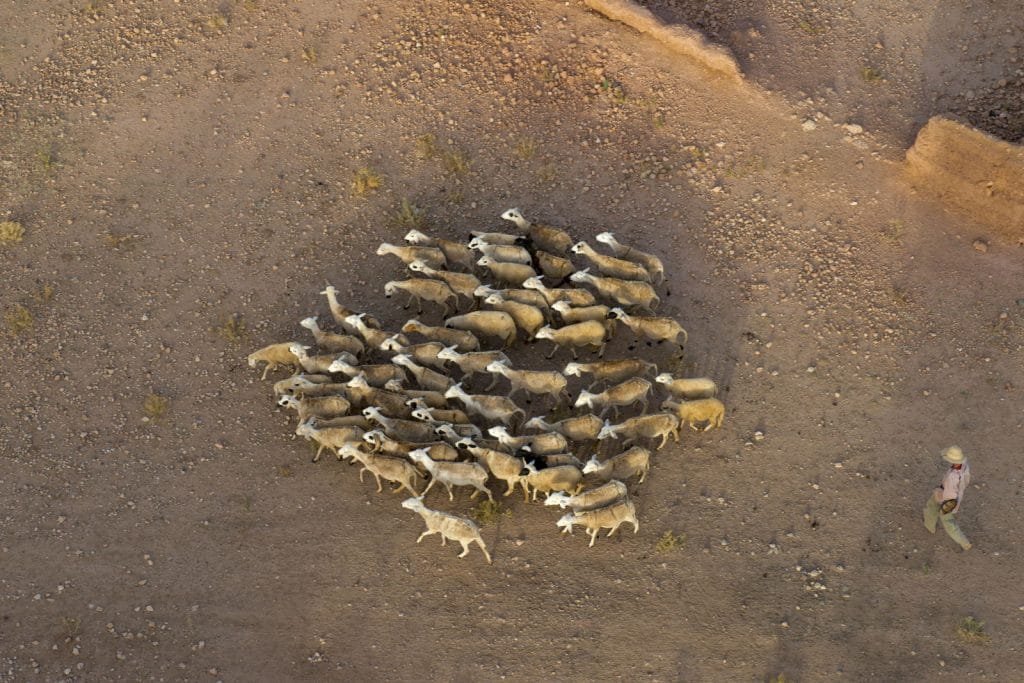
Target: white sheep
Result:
[[546, 237], [420, 289], [428, 379], [522, 296], [362, 395], [463, 284], [571, 315], [622, 292], [474, 362], [537, 382], [503, 466], [538, 444], [581, 428], [372, 335], [274, 355], [507, 273], [608, 517], [432, 256], [385, 467], [375, 375], [382, 443], [633, 390], [331, 437], [320, 363], [486, 323], [688, 387], [709, 410], [452, 474], [424, 354], [403, 430], [454, 432], [565, 478], [461, 339], [497, 408], [332, 342], [609, 266], [589, 333], [610, 371], [653, 328], [454, 252], [497, 237], [653, 426], [635, 461], [341, 313], [527, 318], [296, 383], [431, 399], [507, 253], [316, 406], [555, 268], [421, 411], [649, 261], [590, 499], [572, 296], [456, 528]]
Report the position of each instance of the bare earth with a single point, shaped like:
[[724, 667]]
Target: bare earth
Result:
[[174, 164]]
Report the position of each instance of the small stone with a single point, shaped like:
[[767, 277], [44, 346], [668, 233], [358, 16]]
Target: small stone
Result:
[[853, 128], [980, 245], [808, 125]]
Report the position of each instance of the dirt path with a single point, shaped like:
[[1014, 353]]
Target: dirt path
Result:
[[849, 322]]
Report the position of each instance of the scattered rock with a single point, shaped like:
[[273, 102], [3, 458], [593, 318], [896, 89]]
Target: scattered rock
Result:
[[808, 125], [980, 245], [853, 128]]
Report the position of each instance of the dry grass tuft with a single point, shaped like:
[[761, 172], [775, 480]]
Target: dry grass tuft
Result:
[[972, 630], [871, 75], [18, 320], [309, 55], [455, 161], [232, 329], [366, 180], [155, 406], [44, 294], [525, 149], [216, 22], [426, 146], [409, 216], [71, 626], [11, 232], [489, 511], [670, 541], [116, 240]]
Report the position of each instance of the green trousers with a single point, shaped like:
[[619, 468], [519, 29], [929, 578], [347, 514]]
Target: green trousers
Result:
[[932, 514]]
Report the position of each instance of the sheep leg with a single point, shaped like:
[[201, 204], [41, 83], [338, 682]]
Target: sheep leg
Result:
[[593, 537], [511, 486], [465, 549], [361, 475], [425, 534], [432, 481], [474, 494], [600, 352], [572, 350], [379, 487], [451, 496], [266, 369], [480, 542], [614, 528], [636, 525], [317, 456], [664, 440], [553, 350], [488, 492]]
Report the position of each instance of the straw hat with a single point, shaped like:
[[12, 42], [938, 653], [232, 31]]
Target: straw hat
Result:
[[953, 455]]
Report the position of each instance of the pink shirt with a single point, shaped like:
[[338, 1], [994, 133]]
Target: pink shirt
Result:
[[954, 484]]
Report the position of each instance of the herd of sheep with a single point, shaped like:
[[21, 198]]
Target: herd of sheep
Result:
[[388, 400]]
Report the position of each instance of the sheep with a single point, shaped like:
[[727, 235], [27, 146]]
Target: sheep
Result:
[[397, 470], [274, 355], [431, 399], [521, 296], [611, 371], [688, 387], [643, 427], [635, 461], [396, 428], [650, 262], [320, 363], [538, 382], [495, 408], [452, 474], [428, 379], [580, 428], [343, 421], [362, 395], [475, 362], [463, 284], [555, 268], [372, 335], [320, 406], [656, 329], [571, 315], [627, 393], [382, 443], [546, 237], [709, 410], [527, 318], [507, 253], [331, 342], [432, 256], [486, 323], [497, 237], [574, 297], [609, 266], [419, 288], [503, 466], [375, 375], [566, 478], [607, 517], [507, 273], [453, 433], [331, 437], [539, 444], [590, 499], [623, 292], [437, 416], [424, 354], [454, 252], [454, 527], [550, 459], [342, 313], [290, 385], [311, 389], [461, 339], [588, 333]]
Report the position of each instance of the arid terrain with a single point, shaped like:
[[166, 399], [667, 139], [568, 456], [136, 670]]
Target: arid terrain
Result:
[[183, 172]]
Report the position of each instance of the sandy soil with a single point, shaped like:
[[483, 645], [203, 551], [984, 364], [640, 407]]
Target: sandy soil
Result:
[[177, 164]]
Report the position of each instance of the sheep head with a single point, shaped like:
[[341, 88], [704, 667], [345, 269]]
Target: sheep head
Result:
[[608, 431], [664, 378], [616, 314], [565, 522], [415, 503], [572, 368], [558, 498], [584, 399], [579, 248], [593, 465]]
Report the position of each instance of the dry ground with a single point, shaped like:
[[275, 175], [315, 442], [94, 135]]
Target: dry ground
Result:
[[177, 164]]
